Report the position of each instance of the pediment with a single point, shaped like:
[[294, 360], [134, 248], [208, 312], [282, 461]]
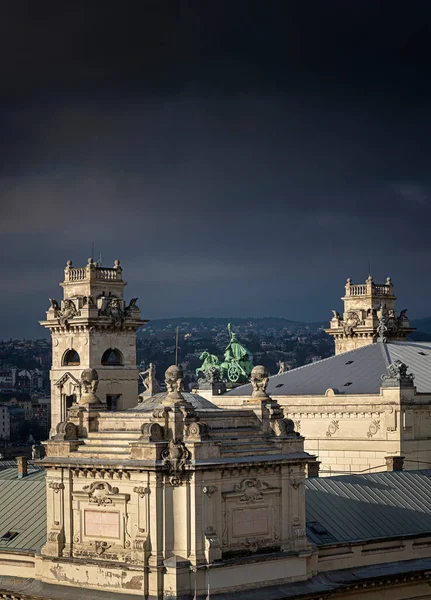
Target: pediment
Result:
[[65, 378]]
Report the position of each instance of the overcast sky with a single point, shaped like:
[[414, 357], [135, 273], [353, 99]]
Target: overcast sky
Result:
[[240, 158]]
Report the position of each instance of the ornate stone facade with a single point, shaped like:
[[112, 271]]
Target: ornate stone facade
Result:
[[171, 493], [369, 316], [93, 328]]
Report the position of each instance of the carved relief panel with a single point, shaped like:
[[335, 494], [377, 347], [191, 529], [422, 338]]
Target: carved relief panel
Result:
[[251, 513], [99, 522]]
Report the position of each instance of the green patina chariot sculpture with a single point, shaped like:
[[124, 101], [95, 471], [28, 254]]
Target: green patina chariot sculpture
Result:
[[236, 366]]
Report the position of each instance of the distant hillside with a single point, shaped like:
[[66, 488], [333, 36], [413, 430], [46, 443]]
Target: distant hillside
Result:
[[209, 323]]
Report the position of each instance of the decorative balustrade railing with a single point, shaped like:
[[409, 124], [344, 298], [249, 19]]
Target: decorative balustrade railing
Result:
[[382, 290], [357, 290], [361, 290], [76, 274], [106, 274]]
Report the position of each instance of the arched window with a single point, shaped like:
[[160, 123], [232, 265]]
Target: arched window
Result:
[[112, 358], [71, 358]]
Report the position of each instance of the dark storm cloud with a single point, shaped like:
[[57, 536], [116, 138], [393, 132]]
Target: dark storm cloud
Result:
[[238, 159]]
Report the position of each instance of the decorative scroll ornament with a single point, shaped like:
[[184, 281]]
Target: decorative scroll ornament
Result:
[[141, 491], [332, 428], [284, 427], [99, 492], [252, 490], [66, 431], [297, 529], [54, 485], [373, 429], [209, 490], [252, 544], [196, 431], [175, 457], [100, 547]]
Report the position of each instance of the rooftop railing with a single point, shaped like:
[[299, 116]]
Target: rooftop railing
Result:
[[76, 274], [107, 274], [369, 288], [357, 290], [92, 271]]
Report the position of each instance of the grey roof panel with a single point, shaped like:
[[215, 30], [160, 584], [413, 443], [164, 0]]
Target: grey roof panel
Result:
[[417, 356], [361, 369], [152, 402], [372, 506], [23, 509]]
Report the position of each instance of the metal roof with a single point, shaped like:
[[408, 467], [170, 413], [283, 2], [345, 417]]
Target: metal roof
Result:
[[341, 509], [151, 402], [22, 508], [363, 507], [356, 372], [8, 469]]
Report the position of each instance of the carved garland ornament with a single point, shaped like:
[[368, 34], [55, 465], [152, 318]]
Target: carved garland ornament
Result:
[[141, 491], [56, 486], [175, 457], [99, 493], [252, 490]]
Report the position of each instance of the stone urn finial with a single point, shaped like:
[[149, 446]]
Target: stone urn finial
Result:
[[174, 379], [89, 383], [259, 380]]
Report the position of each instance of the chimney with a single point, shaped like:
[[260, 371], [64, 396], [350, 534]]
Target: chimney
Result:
[[313, 468], [21, 462], [394, 463]]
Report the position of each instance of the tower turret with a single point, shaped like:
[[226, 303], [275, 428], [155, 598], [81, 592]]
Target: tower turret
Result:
[[369, 316], [93, 328]]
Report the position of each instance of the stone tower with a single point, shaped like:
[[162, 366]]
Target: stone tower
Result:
[[369, 316], [93, 328]]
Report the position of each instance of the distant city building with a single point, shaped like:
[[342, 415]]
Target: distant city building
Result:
[[4, 423]]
